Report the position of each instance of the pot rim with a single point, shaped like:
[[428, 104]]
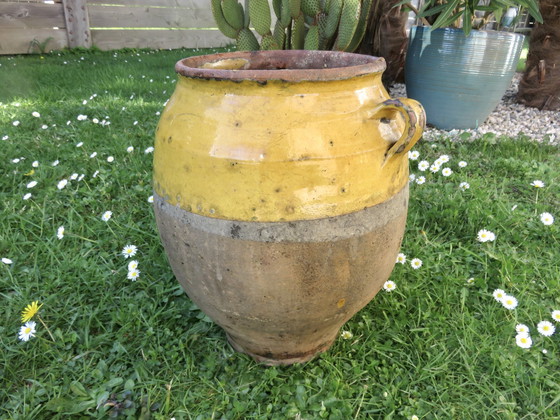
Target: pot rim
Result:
[[285, 65], [474, 32]]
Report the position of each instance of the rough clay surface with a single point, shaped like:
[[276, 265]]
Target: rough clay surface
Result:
[[508, 119]]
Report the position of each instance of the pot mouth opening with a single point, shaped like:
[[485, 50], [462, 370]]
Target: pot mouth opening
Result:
[[285, 65]]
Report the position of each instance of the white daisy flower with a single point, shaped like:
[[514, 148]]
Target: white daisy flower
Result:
[[547, 219], [82, 117], [499, 295], [522, 329], [443, 158], [509, 302], [523, 341], [27, 331], [95, 174], [545, 328], [149, 150], [106, 216], [130, 149], [464, 186], [411, 178], [416, 263], [95, 120], [60, 232], [434, 168], [132, 265], [15, 123], [129, 251], [80, 144], [413, 154], [93, 155], [5, 137], [133, 275], [35, 164], [110, 159], [151, 199], [484, 235], [537, 183], [423, 165], [389, 286], [7, 261], [55, 163], [514, 207], [31, 184], [556, 315], [36, 114], [27, 196], [44, 126], [462, 164], [62, 184], [74, 176], [420, 180], [346, 335], [446, 171], [401, 258]]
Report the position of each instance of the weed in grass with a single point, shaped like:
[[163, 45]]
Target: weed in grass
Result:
[[76, 134]]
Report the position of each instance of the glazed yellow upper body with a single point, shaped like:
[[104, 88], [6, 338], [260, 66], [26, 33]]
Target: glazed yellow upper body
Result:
[[278, 151]]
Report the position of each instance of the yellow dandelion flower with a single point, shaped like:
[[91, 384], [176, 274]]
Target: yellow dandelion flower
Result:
[[30, 311]]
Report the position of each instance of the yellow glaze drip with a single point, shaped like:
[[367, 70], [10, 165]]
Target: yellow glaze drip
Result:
[[283, 151]]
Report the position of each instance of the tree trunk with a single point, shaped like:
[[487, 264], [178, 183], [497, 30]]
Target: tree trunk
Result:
[[540, 85], [386, 37]]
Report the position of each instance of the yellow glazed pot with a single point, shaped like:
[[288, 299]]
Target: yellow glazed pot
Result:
[[281, 192]]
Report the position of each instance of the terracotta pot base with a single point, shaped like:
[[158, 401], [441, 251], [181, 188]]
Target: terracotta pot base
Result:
[[282, 360]]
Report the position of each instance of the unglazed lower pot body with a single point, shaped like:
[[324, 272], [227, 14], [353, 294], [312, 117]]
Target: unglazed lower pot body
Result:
[[281, 192]]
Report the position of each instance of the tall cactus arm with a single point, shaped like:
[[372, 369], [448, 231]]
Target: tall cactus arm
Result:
[[310, 7], [223, 26], [361, 28], [298, 33], [233, 13], [259, 11], [333, 18], [348, 24], [286, 14]]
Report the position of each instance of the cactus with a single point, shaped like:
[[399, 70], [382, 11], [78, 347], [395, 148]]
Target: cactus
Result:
[[308, 24]]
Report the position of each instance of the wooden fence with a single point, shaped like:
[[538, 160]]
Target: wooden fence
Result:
[[43, 25]]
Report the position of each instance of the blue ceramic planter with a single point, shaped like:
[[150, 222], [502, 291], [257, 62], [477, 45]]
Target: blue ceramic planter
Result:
[[460, 80]]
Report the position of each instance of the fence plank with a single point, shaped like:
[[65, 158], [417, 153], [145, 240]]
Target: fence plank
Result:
[[158, 39], [187, 4], [77, 23], [31, 15], [149, 17], [21, 40]]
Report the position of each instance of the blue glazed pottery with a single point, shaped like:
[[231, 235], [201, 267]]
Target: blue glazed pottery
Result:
[[460, 79]]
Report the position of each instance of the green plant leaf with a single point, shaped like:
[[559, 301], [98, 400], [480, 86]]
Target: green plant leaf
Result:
[[467, 21], [443, 18]]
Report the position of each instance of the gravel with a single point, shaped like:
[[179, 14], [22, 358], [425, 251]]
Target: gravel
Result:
[[508, 119]]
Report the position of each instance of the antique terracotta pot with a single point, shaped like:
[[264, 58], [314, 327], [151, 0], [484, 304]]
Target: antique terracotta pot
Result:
[[281, 192]]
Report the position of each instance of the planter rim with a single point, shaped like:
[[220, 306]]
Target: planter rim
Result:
[[474, 32], [284, 65]]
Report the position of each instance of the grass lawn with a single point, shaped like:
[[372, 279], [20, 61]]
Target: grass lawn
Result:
[[75, 137]]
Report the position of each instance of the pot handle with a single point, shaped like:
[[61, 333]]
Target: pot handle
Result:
[[414, 118]]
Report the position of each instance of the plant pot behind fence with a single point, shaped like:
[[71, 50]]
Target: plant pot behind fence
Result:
[[460, 80], [281, 192]]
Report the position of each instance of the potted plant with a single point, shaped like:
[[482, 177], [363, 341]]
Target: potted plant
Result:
[[457, 67]]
